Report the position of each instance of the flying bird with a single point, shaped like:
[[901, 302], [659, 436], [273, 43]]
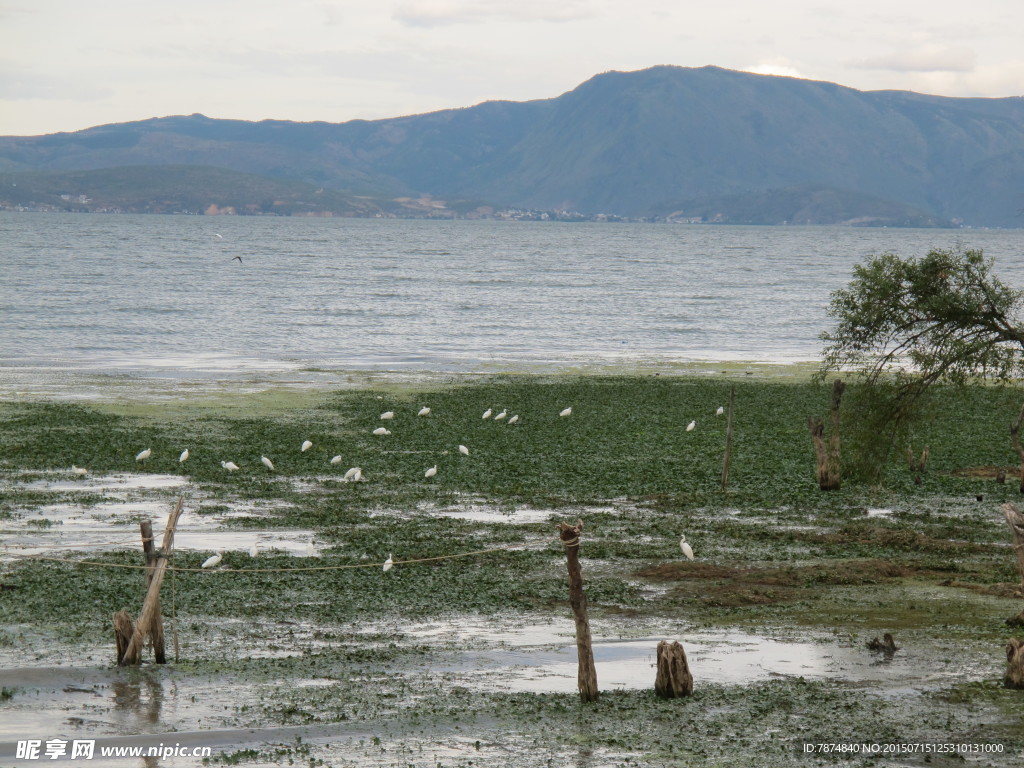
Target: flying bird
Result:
[[218, 236], [306, 445], [687, 549], [566, 412], [230, 466], [267, 463], [237, 257], [381, 431], [464, 450], [184, 456], [431, 472], [213, 562], [388, 415], [143, 455], [388, 563], [424, 412], [690, 427]]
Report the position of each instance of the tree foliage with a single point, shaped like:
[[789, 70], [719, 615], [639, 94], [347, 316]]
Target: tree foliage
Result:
[[904, 324]]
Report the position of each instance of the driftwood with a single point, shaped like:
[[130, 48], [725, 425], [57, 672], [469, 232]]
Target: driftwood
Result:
[[133, 654], [1015, 439], [887, 645], [123, 631], [1014, 677], [157, 630], [673, 680], [587, 676], [829, 476]]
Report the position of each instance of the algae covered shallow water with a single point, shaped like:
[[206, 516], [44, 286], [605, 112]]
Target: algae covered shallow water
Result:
[[463, 652]]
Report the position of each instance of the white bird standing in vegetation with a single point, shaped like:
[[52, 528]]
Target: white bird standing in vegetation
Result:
[[388, 563], [336, 459], [381, 431], [267, 463], [306, 445], [254, 549], [388, 415], [464, 450], [424, 412], [514, 419], [487, 414], [566, 412], [184, 456], [352, 473], [431, 472], [690, 427], [213, 562], [79, 470], [310, 549], [230, 466], [143, 455], [687, 549], [501, 416], [720, 411]]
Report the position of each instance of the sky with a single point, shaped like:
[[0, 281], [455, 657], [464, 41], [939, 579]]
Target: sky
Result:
[[66, 65]]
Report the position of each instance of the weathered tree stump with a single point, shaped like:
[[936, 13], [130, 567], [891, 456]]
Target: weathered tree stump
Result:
[[587, 676], [1016, 522], [1015, 439], [829, 475], [157, 630], [887, 645], [917, 465], [673, 680], [1014, 677], [123, 630]]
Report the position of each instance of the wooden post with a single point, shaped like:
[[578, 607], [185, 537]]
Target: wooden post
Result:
[[1016, 522], [728, 441], [157, 632], [1014, 675], [1015, 438], [673, 680], [587, 678], [123, 631], [829, 476], [133, 654]]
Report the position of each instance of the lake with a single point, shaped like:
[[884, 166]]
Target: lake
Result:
[[165, 295]]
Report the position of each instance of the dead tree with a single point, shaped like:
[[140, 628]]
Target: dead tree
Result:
[[587, 676], [1014, 676], [829, 476], [673, 680]]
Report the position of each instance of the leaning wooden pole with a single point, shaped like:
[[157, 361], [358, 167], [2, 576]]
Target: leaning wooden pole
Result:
[[728, 441], [133, 655], [587, 678], [157, 630]]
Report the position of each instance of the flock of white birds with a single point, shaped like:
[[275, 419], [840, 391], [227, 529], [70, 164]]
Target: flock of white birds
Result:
[[355, 474]]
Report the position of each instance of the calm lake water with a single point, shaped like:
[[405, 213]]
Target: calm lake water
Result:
[[165, 294]]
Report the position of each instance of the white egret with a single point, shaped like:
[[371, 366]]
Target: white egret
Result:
[[388, 563], [381, 431], [143, 455], [184, 456], [267, 463], [487, 414], [687, 549], [388, 415], [336, 459], [424, 412], [310, 549], [690, 427], [358, 476], [254, 549], [79, 470], [464, 450], [213, 562], [218, 236], [720, 411], [230, 466], [514, 419], [431, 472], [501, 416], [566, 412], [351, 474], [306, 445]]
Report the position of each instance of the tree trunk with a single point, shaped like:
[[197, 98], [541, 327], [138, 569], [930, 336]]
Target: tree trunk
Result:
[[829, 476], [1014, 677], [673, 680]]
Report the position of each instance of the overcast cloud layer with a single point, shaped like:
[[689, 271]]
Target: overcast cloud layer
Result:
[[71, 64]]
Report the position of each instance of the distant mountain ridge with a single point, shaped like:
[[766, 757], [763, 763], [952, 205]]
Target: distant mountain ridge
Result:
[[704, 144]]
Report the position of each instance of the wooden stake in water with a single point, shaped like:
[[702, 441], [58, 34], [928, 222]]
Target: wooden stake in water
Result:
[[150, 608], [157, 630], [587, 678]]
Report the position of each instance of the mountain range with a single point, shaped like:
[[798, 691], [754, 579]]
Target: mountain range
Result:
[[692, 144]]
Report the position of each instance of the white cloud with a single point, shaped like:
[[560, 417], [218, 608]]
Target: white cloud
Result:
[[930, 58], [436, 13]]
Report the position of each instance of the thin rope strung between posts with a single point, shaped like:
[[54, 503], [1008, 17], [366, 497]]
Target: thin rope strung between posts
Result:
[[175, 569]]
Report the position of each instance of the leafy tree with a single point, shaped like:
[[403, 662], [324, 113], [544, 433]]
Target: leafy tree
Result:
[[904, 324]]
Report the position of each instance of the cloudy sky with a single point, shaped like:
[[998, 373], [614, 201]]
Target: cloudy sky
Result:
[[72, 64]]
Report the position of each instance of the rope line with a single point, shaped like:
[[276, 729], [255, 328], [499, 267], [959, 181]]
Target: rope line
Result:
[[301, 569]]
